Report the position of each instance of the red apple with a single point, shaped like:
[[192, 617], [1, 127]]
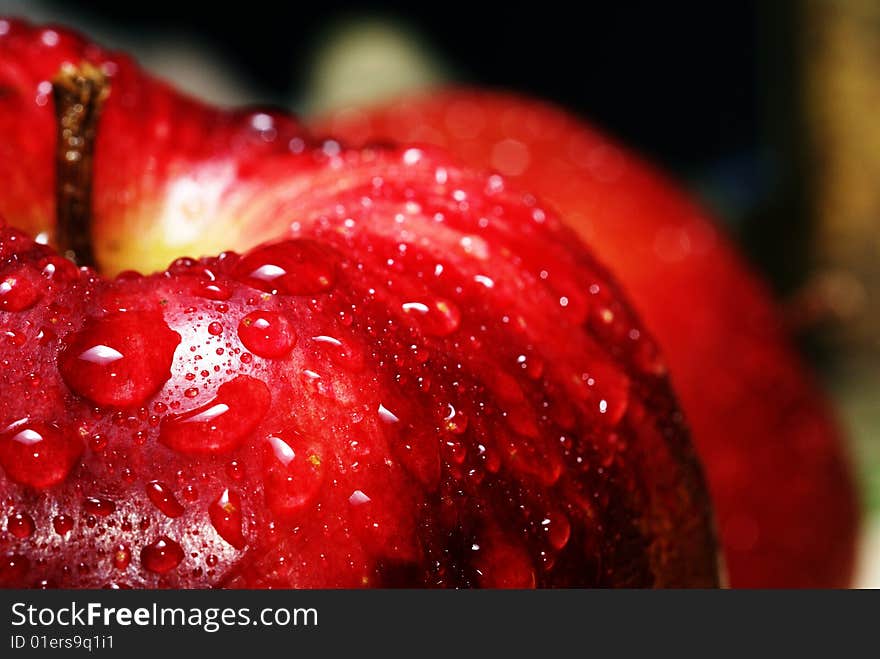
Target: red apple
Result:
[[773, 454], [423, 379]]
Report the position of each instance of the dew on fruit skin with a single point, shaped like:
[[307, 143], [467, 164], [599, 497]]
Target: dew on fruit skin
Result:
[[121, 557], [292, 267], [99, 507], [454, 420], [234, 470], [119, 360], [223, 423], [226, 518], [20, 525], [532, 365], [294, 474], [340, 352], [436, 317], [63, 524], [37, 454], [386, 415], [558, 529], [97, 442], [213, 290], [267, 334], [20, 289], [58, 269], [358, 498], [162, 555], [163, 498]]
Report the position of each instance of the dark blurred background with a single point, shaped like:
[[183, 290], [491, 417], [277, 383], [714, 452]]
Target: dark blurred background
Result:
[[705, 89], [766, 110]]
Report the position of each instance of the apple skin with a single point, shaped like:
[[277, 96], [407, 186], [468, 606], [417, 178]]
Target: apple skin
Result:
[[774, 456], [424, 380], [167, 166]]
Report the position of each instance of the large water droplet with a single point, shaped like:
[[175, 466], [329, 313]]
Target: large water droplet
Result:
[[121, 359], [163, 498], [161, 556], [222, 424], [38, 455], [292, 267], [226, 518], [21, 525], [267, 334]]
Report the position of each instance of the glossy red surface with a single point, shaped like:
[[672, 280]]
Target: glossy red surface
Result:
[[774, 456], [466, 399]]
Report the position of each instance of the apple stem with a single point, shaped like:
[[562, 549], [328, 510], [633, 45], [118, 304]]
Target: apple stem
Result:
[[79, 93]]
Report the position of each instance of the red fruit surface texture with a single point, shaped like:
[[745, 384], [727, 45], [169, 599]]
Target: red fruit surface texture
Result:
[[774, 456], [513, 433], [424, 379]]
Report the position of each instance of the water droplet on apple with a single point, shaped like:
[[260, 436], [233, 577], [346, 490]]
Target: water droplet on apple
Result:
[[267, 334], [314, 384], [558, 529], [213, 290], [226, 518], [436, 317], [99, 507], [292, 267], [20, 525], [340, 352], [121, 359], [163, 498], [454, 421], [358, 498], [38, 455], [294, 473], [58, 269], [162, 556], [387, 415], [20, 288], [121, 557], [63, 524], [222, 424]]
